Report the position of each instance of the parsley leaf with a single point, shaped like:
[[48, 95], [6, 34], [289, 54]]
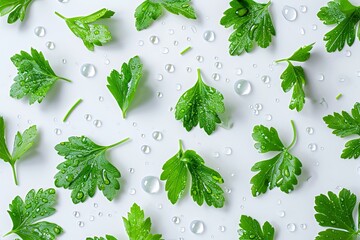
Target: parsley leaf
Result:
[[123, 85], [336, 213], [25, 215], [346, 17], [137, 227], [107, 237], [252, 24], [251, 229], [22, 143], [150, 10], [200, 104], [16, 8], [91, 34], [86, 168], [204, 186], [344, 125], [294, 77], [280, 171], [35, 76]]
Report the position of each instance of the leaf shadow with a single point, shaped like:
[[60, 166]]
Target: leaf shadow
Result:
[[144, 92]]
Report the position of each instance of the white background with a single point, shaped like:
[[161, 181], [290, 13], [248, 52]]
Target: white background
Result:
[[324, 168]]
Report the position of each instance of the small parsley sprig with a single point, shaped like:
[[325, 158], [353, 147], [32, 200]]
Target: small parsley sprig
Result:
[[15, 8], [294, 77], [251, 229]]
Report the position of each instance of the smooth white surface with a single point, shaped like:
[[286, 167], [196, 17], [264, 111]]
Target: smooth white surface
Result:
[[152, 113]]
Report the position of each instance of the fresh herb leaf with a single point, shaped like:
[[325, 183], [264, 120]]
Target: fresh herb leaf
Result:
[[346, 17], [123, 85], [344, 125], [294, 77], [252, 24], [15, 8], [72, 109], [86, 168], [204, 186], [137, 227], [150, 10], [91, 34], [35, 76], [200, 104], [336, 213], [251, 229], [25, 215], [280, 171], [107, 237], [22, 143]]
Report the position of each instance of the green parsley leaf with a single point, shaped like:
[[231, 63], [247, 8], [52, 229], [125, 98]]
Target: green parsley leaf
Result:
[[35, 76], [86, 168], [280, 171], [294, 77], [22, 143], [336, 213], [344, 125], [200, 104], [346, 17], [252, 24], [150, 10], [16, 8], [137, 227], [107, 237], [123, 85], [251, 229], [204, 186], [91, 34], [25, 215]]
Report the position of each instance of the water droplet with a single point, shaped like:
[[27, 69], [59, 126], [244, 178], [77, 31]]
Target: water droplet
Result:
[[314, 27], [50, 45], [40, 31], [242, 87], [321, 77], [209, 36], [268, 117], [218, 65], [64, 61], [310, 130], [134, 124], [348, 53], [176, 220], [97, 123], [313, 147], [197, 227], [302, 31], [154, 40], [188, 38], [132, 191], [256, 112], [150, 184], [216, 154], [193, 29], [100, 214], [228, 190], [76, 214], [160, 206], [254, 65], [142, 135], [216, 76], [165, 50], [96, 205], [291, 227], [228, 150], [101, 98], [323, 103], [188, 69], [81, 224], [178, 86], [131, 170], [88, 117], [160, 94], [63, 1], [200, 59], [222, 228], [303, 8], [158, 136], [107, 61], [289, 13], [140, 43], [238, 71], [171, 31], [88, 70], [160, 77], [303, 226], [182, 229], [265, 79], [57, 131], [258, 106], [170, 68], [281, 214], [91, 218], [176, 43], [145, 149]]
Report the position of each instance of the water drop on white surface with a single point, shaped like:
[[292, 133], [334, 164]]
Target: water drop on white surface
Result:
[[176, 220], [150, 184], [197, 227], [216, 76], [209, 36], [289, 13], [40, 31], [132, 191], [145, 149], [50, 45], [158, 136], [310, 130], [76, 214], [88, 117], [291, 227], [242, 87], [88, 70], [154, 40], [170, 68], [200, 59], [313, 147], [97, 123], [57, 131]]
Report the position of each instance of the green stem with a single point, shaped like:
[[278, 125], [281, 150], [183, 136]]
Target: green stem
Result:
[[199, 74], [72, 109], [65, 79], [181, 145], [60, 15], [118, 143], [295, 135], [14, 174], [338, 96], [185, 50], [11, 232], [282, 60]]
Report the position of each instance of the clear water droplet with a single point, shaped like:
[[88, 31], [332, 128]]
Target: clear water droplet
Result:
[[281, 214], [140, 43], [88, 70], [302, 31], [209, 36], [303, 226], [348, 53], [97, 123], [160, 94], [101, 98], [197, 227], [176, 220], [256, 112], [171, 31], [289, 13], [150, 184], [131, 170], [63, 1], [160, 206], [310, 130], [216, 76], [303, 8], [132, 191], [314, 27], [178, 86], [182, 229], [100, 214], [170, 68], [218, 65], [88, 117], [50, 45], [81, 224], [145, 149], [258, 106], [216, 154], [228, 150], [313, 147], [200, 59], [76, 214], [193, 29], [40, 31], [188, 69], [107, 61], [64, 61], [160, 77], [242, 87], [321, 77], [134, 124], [254, 65], [165, 50], [239, 71], [265, 79], [91, 218], [222, 228], [188, 39], [158, 136], [57, 131], [291, 227], [176, 43], [154, 40], [96, 205], [268, 117]]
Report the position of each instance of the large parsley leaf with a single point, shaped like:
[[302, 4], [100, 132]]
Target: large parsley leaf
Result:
[[280, 171], [346, 17], [86, 168], [107, 237], [91, 34], [16, 8], [150, 10], [204, 181], [123, 85], [137, 227], [200, 104], [22, 143], [251, 229], [35, 76], [344, 125], [294, 77], [252, 24], [336, 213], [25, 216]]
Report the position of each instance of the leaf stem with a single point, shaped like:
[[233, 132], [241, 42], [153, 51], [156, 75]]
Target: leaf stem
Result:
[[282, 60], [181, 145], [199, 74], [60, 15], [72, 109], [14, 174], [118, 143], [294, 134], [338, 96], [185, 50], [65, 79], [12, 231]]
